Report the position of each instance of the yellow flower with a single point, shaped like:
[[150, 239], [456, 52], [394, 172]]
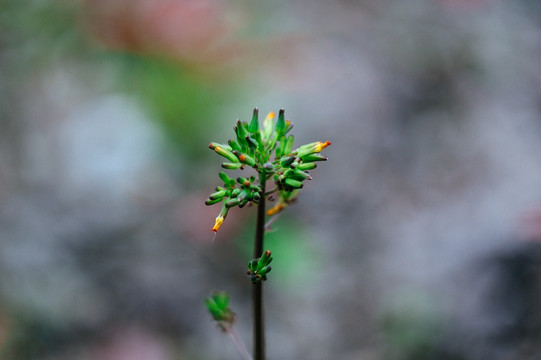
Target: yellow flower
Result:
[[218, 223], [276, 209], [270, 116], [321, 145]]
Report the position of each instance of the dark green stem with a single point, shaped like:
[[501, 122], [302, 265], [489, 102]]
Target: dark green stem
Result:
[[259, 328]]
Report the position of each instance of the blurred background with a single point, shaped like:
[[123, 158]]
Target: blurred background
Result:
[[418, 239]]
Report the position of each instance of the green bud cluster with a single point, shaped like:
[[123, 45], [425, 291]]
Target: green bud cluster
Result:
[[218, 306], [234, 193], [291, 170], [259, 268], [253, 146]]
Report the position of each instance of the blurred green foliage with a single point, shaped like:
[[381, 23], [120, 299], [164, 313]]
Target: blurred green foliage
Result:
[[295, 258], [185, 100]]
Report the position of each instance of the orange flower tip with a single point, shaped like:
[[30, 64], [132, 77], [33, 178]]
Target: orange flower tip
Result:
[[242, 157], [217, 149], [276, 209], [218, 223], [322, 145], [270, 115], [211, 146]]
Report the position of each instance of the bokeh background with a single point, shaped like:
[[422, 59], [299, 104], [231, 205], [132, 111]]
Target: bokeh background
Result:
[[418, 239]]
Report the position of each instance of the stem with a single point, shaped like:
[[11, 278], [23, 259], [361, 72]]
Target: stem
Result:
[[259, 331], [239, 344], [271, 221], [273, 190]]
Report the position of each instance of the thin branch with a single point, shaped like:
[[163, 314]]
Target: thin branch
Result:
[[271, 221], [239, 344], [271, 191]]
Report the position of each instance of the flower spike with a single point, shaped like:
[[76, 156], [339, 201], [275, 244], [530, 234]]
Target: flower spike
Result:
[[268, 149]]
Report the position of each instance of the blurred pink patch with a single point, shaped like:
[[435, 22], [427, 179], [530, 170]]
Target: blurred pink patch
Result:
[[186, 30], [530, 225], [133, 344]]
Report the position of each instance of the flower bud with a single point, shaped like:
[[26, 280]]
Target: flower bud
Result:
[[243, 181], [241, 132], [213, 201], [289, 126], [233, 166], [254, 124], [292, 183], [244, 194], [289, 145], [245, 159], [307, 146], [307, 166], [220, 150], [287, 161], [252, 265], [217, 195], [265, 259], [244, 202], [268, 126], [280, 148], [260, 144], [226, 179], [218, 306], [313, 157], [233, 145], [214, 145], [300, 175], [232, 202], [280, 124], [312, 148], [264, 271], [252, 144]]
